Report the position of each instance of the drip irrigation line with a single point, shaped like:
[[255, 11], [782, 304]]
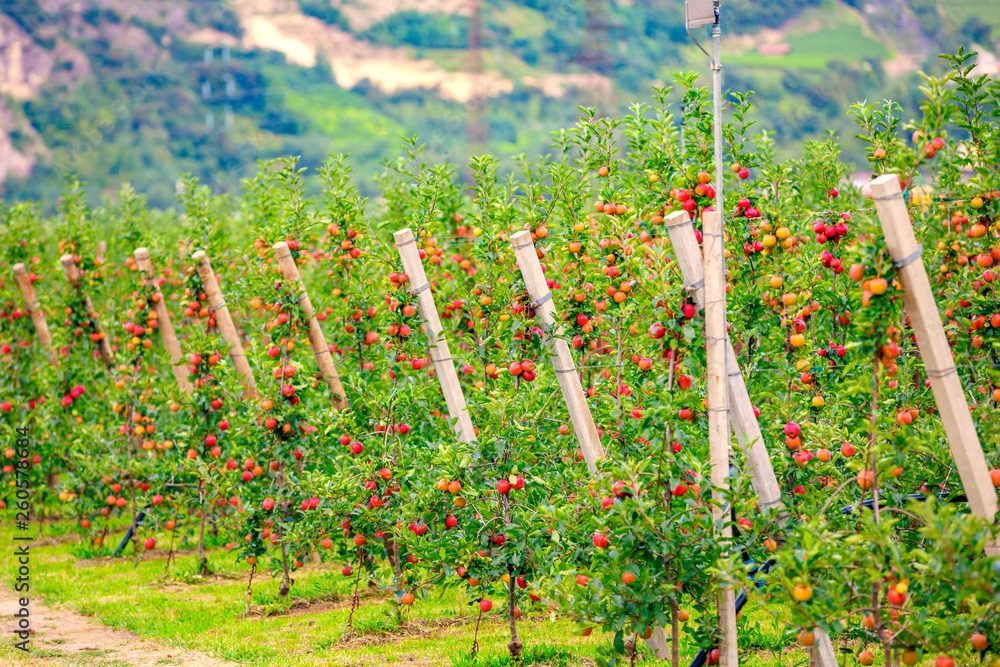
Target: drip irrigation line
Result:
[[870, 503], [756, 575], [128, 533]]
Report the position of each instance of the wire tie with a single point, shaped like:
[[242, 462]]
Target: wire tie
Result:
[[693, 287], [897, 195], [545, 297], [909, 259], [944, 372], [524, 245], [418, 290], [406, 243]]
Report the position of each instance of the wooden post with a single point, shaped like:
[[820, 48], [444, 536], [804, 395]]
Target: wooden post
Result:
[[225, 322], [34, 308], [744, 422], [163, 323], [316, 338], [562, 361], [444, 367], [659, 644], [718, 413], [72, 272], [824, 654], [934, 349]]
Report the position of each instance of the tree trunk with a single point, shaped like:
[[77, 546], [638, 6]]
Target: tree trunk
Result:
[[135, 525], [675, 632], [392, 553], [285, 580], [170, 553], [203, 568], [515, 645]]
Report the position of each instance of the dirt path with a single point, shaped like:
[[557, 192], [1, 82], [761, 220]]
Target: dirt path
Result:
[[64, 638]]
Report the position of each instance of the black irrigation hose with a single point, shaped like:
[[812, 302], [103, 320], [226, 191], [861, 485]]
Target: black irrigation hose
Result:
[[741, 599], [847, 509], [128, 533]]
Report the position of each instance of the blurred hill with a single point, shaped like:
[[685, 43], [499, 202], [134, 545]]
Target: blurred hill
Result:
[[118, 90]]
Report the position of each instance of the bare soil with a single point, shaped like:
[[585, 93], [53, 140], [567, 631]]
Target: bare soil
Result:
[[62, 637]]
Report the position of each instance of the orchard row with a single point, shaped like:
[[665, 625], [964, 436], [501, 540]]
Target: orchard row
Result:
[[144, 409]]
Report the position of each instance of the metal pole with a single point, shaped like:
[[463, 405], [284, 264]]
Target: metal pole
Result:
[[717, 104], [713, 227], [720, 204], [682, 128]]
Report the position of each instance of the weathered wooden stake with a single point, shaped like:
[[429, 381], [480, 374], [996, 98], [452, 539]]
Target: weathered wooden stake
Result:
[[934, 349], [35, 308], [562, 360], [823, 652], [72, 272], [744, 422], [224, 321], [718, 413], [317, 341], [163, 323], [444, 367]]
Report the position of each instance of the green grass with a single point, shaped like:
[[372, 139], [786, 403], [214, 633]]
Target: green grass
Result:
[[816, 50], [337, 117], [962, 10], [523, 22], [818, 38]]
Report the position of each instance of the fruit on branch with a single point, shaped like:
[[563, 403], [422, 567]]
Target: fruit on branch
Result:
[[802, 593]]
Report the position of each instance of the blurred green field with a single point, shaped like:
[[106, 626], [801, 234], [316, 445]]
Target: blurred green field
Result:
[[818, 38]]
